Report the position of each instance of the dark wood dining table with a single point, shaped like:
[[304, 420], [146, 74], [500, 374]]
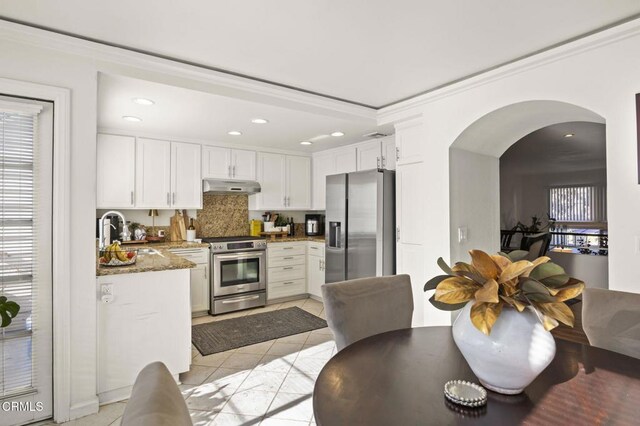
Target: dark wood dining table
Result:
[[397, 379]]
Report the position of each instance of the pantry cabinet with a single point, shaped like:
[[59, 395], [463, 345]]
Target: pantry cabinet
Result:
[[226, 163], [116, 182], [168, 174], [285, 182]]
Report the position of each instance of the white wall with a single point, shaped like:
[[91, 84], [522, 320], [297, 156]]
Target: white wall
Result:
[[27, 63], [474, 203], [599, 76], [523, 196]]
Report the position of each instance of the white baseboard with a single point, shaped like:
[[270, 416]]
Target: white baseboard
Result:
[[83, 409], [314, 297]]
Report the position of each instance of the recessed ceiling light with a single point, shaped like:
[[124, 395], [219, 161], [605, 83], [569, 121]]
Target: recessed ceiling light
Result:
[[131, 118], [259, 121], [569, 135], [234, 133], [337, 134], [306, 143], [143, 101]]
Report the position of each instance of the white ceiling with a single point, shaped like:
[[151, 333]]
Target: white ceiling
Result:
[[188, 114], [548, 151], [373, 52]]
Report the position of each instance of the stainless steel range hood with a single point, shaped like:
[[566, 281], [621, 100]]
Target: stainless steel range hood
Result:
[[222, 186]]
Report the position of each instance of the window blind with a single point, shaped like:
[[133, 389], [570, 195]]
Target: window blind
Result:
[[17, 249], [586, 203]]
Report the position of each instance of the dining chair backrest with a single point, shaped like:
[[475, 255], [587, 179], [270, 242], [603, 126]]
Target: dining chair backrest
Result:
[[611, 320], [537, 244], [505, 239], [363, 307]]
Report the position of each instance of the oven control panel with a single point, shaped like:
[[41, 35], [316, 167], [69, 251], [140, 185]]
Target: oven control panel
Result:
[[235, 246]]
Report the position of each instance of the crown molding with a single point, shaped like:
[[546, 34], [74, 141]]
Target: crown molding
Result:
[[110, 59], [409, 108]]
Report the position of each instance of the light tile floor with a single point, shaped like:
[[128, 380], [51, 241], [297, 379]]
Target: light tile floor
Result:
[[269, 383]]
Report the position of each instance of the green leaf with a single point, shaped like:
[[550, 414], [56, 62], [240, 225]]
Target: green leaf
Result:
[[556, 280], [443, 265], [517, 255], [8, 310], [446, 306], [433, 282], [535, 290], [546, 270]]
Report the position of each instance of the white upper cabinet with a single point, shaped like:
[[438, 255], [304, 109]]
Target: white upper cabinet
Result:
[[298, 182], [285, 182], [186, 181], [116, 183], [153, 173], [168, 175], [409, 142], [225, 163], [377, 154], [330, 163]]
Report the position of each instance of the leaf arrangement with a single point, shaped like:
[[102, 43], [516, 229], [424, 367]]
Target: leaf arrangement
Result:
[[8, 310], [497, 280]]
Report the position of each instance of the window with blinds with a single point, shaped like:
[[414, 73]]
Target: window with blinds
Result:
[[585, 203], [17, 249]]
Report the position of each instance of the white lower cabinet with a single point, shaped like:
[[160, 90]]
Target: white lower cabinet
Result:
[[315, 268], [200, 288], [145, 318], [286, 276]]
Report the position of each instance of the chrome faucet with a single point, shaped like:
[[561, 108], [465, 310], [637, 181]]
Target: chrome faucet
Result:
[[102, 237]]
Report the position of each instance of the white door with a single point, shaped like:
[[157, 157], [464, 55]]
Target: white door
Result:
[[369, 156], [389, 153], [410, 205], [186, 179], [116, 182], [26, 160], [298, 182], [153, 173], [315, 275], [346, 160], [216, 162], [271, 175], [323, 166], [243, 164], [200, 289]]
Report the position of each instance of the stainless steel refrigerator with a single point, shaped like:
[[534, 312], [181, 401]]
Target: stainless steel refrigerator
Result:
[[360, 225]]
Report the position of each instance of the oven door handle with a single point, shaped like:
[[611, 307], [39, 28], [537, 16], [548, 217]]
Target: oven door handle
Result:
[[232, 256], [241, 299]]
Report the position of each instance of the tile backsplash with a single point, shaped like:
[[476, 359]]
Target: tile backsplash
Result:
[[224, 215]]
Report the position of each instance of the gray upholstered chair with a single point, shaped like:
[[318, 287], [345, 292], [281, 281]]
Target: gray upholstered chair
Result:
[[611, 320], [156, 400], [363, 307]]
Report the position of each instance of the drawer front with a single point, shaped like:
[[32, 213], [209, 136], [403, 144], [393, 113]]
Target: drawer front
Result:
[[316, 249], [286, 288], [286, 273], [286, 261], [286, 249], [196, 256]]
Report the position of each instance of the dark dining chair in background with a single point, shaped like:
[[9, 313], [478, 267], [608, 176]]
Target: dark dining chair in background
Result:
[[505, 240], [611, 320], [536, 244], [363, 307]]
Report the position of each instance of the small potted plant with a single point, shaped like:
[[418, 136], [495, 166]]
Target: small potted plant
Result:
[[8, 311], [508, 309]]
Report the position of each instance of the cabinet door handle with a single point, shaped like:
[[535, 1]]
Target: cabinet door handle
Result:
[[205, 272], [168, 199], [398, 233], [173, 197], [287, 248], [234, 171], [287, 267], [284, 201], [131, 197], [288, 282], [384, 162], [378, 162], [288, 258], [229, 172], [397, 153]]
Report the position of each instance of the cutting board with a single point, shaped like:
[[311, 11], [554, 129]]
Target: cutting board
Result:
[[177, 229]]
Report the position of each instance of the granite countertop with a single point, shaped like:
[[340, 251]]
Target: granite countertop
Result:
[[163, 261], [319, 239]]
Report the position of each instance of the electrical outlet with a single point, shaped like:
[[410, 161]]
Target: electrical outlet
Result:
[[462, 234], [107, 289]]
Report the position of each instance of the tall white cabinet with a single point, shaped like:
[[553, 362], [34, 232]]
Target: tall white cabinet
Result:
[[285, 182], [377, 154], [116, 182], [168, 174]]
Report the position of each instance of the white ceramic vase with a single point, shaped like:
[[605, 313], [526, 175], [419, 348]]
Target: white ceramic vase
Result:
[[512, 356]]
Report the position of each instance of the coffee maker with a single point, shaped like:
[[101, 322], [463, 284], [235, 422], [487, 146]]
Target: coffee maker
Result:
[[313, 225]]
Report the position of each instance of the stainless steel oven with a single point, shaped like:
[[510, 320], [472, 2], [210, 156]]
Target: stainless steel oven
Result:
[[238, 273]]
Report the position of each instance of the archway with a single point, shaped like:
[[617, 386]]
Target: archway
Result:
[[474, 168]]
